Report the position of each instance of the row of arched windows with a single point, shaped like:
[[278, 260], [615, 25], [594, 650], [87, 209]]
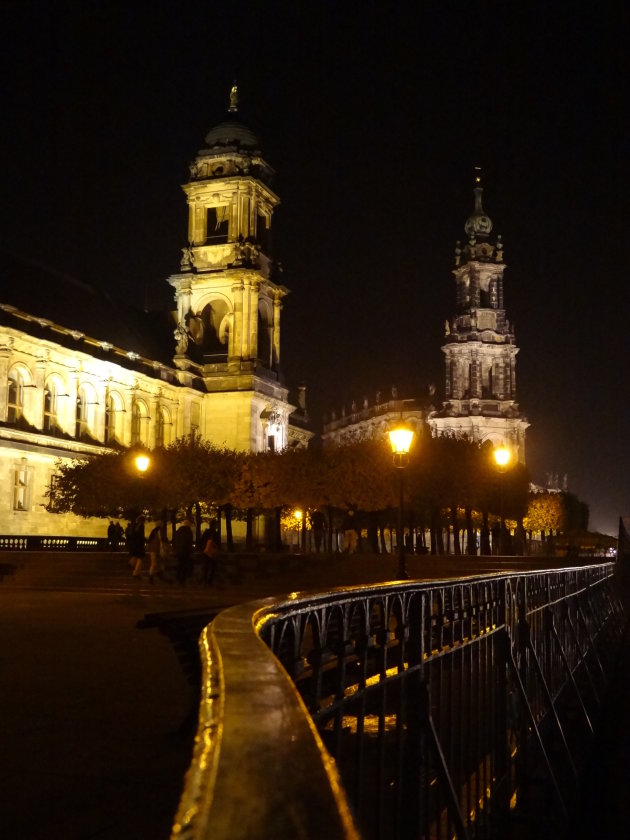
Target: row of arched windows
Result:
[[83, 422]]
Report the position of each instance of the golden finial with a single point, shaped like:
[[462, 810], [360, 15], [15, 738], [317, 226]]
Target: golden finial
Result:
[[233, 98]]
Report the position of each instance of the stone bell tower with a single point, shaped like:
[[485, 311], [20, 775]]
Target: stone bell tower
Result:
[[228, 299], [479, 346], [228, 305]]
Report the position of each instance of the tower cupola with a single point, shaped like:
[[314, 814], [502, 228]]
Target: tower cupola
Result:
[[228, 298]]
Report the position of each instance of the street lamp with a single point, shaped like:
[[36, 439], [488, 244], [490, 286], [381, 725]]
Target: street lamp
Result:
[[142, 463], [299, 516], [400, 438], [502, 457]]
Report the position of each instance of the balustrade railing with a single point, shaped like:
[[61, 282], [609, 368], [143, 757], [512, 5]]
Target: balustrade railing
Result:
[[52, 543], [451, 708]]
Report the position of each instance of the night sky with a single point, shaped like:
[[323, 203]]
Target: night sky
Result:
[[373, 115]]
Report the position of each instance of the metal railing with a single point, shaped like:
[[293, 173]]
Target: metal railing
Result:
[[451, 708]]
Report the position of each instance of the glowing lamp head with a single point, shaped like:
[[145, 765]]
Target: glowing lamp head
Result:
[[298, 515], [401, 438], [142, 463], [502, 457]]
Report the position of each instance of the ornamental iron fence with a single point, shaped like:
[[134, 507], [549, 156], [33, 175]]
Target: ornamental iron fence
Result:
[[452, 709]]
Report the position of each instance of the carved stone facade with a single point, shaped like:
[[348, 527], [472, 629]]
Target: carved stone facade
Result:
[[480, 348], [372, 421], [71, 388], [480, 360]]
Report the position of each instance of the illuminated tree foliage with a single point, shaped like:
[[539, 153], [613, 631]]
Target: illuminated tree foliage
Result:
[[448, 482], [556, 512]]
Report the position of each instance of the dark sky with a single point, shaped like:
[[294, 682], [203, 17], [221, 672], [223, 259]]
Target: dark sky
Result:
[[373, 115]]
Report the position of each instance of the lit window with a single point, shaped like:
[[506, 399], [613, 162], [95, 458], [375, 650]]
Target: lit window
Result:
[[81, 429], [113, 418], [50, 406], [21, 486], [15, 396], [139, 423], [52, 494], [162, 428]]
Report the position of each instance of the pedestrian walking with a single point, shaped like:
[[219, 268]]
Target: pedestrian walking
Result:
[[154, 546], [318, 524], [111, 536], [349, 533], [182, 549], [119, 536], [210, 549], [137, 546]]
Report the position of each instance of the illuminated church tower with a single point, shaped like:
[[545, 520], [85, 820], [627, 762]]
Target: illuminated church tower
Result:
[[479, 347], [228, 300]]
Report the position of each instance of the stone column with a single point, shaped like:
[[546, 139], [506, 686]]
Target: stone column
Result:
[[5, 358], [448, 377], [513, 376], [70, 407], [128, 401], [475, 377], [247, 303], [277, 308], [36, 411], [253, 320], [236, 341], [98, 429], [154, 410]]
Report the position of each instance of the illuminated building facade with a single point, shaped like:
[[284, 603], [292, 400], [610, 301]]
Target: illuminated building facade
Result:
[[479, 347], [374, 420], [79, 375]]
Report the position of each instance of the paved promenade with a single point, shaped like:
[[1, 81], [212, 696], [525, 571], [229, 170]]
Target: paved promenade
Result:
[[91, 706]]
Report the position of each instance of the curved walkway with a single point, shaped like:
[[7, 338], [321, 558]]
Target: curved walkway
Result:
[[91, 706]]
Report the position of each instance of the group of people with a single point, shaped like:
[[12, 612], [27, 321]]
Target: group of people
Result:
[[115, 535], [157, 546]]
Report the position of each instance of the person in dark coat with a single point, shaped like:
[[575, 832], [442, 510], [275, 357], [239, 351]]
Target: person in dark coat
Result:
[[137, 546], [209, 550], [183, 551], [318, 524], [112, 542]]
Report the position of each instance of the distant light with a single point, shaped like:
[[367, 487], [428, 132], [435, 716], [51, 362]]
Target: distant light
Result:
[[502, 456], [142, 463], [298, 515]]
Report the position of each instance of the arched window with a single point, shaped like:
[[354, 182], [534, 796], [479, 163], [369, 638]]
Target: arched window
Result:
[[113, 418], [51, 398], [85, 412], [162, 427], [15, 396], [81, 426], [139, 423]]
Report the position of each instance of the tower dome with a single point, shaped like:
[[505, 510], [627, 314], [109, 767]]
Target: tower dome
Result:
[[231, 133], [478, 224]]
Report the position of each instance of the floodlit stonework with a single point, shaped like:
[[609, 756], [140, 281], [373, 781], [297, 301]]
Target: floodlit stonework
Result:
[[86, 379], [375, 420], [480, 360], [479, 346]]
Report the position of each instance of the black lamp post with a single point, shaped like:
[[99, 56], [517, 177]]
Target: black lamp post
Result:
[[401, 438], [502, 456]]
